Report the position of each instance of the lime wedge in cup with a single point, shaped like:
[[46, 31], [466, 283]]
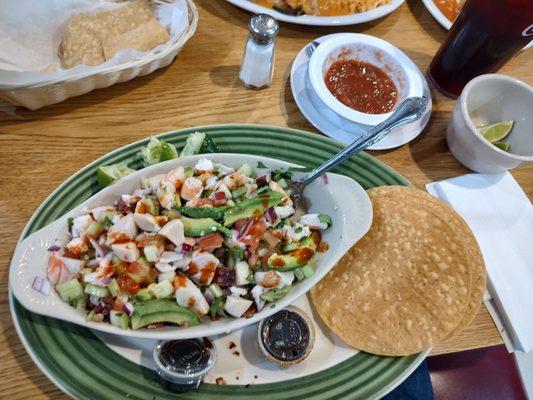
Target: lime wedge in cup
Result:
[[496, 132], [108, 174], [505, 146]]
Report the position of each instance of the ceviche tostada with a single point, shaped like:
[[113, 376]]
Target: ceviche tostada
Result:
[[205, 240]]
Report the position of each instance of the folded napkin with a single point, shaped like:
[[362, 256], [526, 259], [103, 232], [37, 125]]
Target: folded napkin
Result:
[[501, 217]]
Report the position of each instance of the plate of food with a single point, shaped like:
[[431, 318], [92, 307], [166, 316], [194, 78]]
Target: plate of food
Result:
[[407, 234], [321, 12], [444, 11], [189, 247]]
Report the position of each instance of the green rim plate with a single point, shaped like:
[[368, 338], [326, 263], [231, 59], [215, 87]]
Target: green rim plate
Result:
[[85, 368]]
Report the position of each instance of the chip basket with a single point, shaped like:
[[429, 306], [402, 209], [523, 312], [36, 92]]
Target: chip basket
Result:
[[55, 91]]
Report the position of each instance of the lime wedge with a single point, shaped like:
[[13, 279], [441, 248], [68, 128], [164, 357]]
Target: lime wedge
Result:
[[152, 152], [157, 151], [168, 151], [110, 173], [496, 132], [505, 146], [193, 144]]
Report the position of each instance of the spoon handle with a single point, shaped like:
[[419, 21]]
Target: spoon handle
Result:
[[410, 110]]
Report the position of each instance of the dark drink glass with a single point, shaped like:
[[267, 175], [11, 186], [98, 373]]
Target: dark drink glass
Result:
[[483, 37]]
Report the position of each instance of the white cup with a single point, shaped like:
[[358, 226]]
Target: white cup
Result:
[[486, 100]]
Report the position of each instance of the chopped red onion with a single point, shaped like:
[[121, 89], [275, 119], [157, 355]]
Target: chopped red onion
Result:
[[209, 297], [325, 178], [106, 280], [54, 247], [97, 248], [263, 180], [220, 196], [270, 215], [128, 308], [225, 276], [186, 248], [247, 227]]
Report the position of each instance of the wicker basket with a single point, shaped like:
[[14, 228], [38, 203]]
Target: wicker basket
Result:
[[52, 92]]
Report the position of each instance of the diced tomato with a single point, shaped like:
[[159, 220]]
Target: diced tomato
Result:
[[271, 239], [154, 273], [121, 267], [118, 304], [210, 242], [254, 234], [251, 311], [139, 272], [128, 285], [241, 224]]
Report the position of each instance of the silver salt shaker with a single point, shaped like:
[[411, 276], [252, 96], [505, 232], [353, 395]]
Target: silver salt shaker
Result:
[[258, 61]]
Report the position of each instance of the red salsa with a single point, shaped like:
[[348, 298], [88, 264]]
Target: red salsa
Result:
[[361, 86]]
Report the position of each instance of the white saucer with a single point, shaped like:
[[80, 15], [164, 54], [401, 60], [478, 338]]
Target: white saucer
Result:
[[333, 125]]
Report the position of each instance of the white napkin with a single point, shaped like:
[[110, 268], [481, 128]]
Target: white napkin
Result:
[[501, 217]]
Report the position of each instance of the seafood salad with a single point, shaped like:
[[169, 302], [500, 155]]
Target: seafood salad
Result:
[[199, 241]]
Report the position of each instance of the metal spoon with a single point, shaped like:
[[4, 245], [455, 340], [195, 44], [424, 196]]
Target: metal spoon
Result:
[[409, 111]]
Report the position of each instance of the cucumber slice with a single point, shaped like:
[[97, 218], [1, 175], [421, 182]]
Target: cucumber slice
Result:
[[119, 319], [97, 291], [151, 206], [299, 274], [307, 270], [245, 169], [70, 291], [90, 315], [282, 183], [162, 289], [114, 288], [94, 229], [216, 290], [166, 276], [193, 144], [238, 192]]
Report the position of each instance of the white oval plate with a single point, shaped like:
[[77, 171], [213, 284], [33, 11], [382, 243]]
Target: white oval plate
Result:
[[342, 198], [339, 20], [334, 125]]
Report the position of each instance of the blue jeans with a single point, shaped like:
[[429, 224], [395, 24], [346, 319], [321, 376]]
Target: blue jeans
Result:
[[416, 387]]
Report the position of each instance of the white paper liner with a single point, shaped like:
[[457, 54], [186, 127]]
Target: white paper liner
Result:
[[31, 31]]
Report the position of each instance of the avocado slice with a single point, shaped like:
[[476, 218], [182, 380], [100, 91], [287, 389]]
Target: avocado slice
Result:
[[216, 213], [161, 310], [294, 259], [248, 208], [195, 227]]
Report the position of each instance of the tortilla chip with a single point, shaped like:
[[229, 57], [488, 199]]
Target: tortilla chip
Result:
[[409, 283], [84, 34], [143, 38]]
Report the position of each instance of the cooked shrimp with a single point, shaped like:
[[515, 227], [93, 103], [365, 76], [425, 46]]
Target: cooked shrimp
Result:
[[165, 194], [192, 187]]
